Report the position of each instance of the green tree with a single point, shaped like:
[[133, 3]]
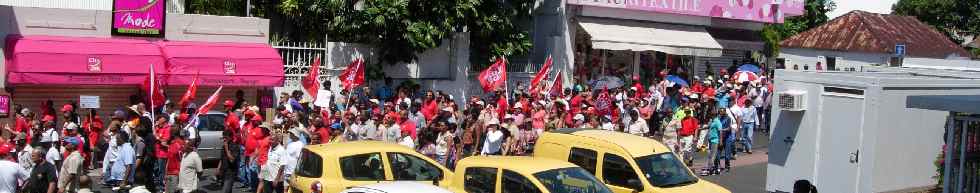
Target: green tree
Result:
[[950, 17], [815, 14], [400, 29]]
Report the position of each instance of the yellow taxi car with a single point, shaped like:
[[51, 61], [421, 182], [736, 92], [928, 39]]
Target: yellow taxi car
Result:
[[331, 168], [626, 163], [505, 174]]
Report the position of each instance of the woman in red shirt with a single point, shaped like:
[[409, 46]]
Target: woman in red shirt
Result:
[[92, 125]]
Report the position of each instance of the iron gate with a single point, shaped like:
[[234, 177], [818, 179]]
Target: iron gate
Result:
[[962, 158], [297, 57]]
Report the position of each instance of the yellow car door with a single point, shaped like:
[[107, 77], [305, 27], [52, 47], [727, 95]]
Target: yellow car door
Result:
[[618, 174], [309, 170], [361, 169], [477, 180], [408, 166]]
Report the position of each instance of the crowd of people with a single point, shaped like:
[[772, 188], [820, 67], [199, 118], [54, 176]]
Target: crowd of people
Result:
[[143, 151]]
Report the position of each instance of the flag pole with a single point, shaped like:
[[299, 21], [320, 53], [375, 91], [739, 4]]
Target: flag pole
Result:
[[152, 92], [506, 83]]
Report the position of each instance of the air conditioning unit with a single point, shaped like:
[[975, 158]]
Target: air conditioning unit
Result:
[[792, 100]]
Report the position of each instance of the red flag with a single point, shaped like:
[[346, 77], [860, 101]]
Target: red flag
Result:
[[495, 76], [502, 107], [540, 76], [154, 91], [210, 102], [312, 80], [189, 95], [353, 76], [604, 103], [556, 87]]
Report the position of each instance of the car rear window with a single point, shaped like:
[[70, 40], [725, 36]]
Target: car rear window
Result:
[[310, 165], [211, 122]]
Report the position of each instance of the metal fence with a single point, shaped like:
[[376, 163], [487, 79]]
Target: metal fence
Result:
[[962, 158], [297, 57]]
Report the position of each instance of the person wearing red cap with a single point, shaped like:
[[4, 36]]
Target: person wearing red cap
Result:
[[162, 133]]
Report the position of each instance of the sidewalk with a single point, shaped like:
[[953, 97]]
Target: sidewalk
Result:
[[748, 172]]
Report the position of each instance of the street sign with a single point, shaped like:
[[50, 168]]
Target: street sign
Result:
[[88, 102], [899, 49]]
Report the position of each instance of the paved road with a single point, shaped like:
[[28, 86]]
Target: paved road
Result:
[[749, 172]]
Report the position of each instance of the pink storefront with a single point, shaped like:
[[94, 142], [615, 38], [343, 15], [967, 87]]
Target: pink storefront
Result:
[[620, 38], [62, 55]]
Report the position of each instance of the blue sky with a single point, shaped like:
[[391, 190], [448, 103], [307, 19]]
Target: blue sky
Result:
[[874, 6]]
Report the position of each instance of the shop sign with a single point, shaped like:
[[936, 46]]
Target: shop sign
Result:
[[94, 64], [768, 11], [4, 105], [88, 102], [229, 67], [138, 17]]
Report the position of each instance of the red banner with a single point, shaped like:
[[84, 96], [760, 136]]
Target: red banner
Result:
[[210, 102], [495, 76], [153, 88], [604, 103], [189, 95], [353, 76], [540, 76], [556, 87], [311, 83]]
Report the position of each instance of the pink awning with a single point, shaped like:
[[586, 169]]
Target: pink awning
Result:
[[226, 64], [57, 60]]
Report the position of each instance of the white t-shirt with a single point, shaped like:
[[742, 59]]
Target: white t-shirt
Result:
[[125, 157], [53, 155], [276, 160], [493, 142], [293, 150], [10, 174], [49, 135], [190, 165], [407, 142]]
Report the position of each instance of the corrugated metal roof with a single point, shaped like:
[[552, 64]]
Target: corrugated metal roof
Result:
[[860, 31]]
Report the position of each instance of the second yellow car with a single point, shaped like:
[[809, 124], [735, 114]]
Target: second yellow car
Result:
[[626, 163], [501, 174]]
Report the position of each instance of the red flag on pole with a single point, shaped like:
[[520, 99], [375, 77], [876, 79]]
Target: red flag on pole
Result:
[[210, 102], [556, 87], [540, 76], [495, 76], [353, 76], [154, 92], [604, 103], [189, 95], [312, 80]]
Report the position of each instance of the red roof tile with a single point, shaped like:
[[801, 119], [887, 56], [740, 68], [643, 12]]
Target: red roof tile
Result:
[[860, 31]]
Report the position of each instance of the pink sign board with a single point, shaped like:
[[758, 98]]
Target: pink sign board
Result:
[[138, 17], [767, 11]]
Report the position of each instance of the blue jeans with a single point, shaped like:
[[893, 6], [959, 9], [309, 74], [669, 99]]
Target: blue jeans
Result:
[[727, 152], [747, 135], [242, 171], [160, 172], [253, 174]]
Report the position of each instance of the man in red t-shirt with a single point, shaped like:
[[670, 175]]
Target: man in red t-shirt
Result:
[[407, 125], [689, 129], [162, 134]]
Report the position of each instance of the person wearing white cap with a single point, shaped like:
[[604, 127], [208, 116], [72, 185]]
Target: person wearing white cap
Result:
[[494, 138]]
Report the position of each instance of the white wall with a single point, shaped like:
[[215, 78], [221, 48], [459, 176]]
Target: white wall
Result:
[[898, 145], [848, 59], [444, 68]]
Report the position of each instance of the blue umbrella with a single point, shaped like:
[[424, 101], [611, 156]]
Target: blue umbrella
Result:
[[677, 80], [750, 67]]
